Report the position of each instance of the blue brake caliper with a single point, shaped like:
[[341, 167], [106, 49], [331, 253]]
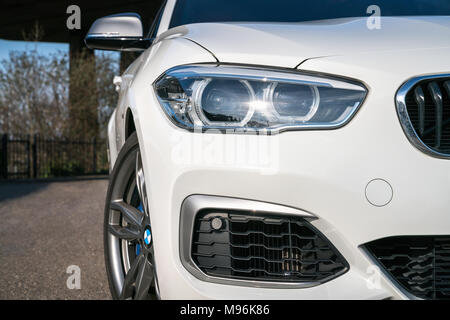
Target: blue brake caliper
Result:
[[138, 246]]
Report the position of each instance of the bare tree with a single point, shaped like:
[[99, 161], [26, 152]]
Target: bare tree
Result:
[[34, 94]]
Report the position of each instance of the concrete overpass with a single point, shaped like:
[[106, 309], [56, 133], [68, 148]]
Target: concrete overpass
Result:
[[17, 16]]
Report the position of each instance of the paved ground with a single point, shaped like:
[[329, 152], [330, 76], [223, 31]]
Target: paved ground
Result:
[[45, 227]]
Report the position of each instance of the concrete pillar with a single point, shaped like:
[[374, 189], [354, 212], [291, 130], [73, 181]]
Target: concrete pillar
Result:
[[83, 102], [126, 58]]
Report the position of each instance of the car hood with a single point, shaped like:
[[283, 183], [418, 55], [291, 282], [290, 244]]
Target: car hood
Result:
[[289, 44]]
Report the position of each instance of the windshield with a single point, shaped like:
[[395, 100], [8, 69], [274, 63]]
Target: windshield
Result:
[[194, 11]]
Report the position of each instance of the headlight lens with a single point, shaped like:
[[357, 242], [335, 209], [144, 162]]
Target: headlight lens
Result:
[[240, 98], [224, 102], [294, 102]]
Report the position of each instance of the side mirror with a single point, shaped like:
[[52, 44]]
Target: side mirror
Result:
[[121, 32]]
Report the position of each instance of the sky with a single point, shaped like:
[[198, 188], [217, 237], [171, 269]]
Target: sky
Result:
[[43, 47]]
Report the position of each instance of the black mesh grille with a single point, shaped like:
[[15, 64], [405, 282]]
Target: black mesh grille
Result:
[[433, 134], [421, 265], [286, 249]]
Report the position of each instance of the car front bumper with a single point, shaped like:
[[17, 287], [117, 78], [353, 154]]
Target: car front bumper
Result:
[[325, 173]]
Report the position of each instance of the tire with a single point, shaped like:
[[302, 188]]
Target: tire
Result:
[[128, 243]]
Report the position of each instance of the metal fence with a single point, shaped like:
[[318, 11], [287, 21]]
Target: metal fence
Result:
[[25, 156]]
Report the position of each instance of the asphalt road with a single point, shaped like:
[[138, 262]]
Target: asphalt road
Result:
[[45, 227]]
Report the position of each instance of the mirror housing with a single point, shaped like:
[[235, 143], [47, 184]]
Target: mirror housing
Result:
[[119, 32]]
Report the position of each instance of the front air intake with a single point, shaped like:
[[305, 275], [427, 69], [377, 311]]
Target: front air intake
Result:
[[263, 248], [423, 106], [419, 264]]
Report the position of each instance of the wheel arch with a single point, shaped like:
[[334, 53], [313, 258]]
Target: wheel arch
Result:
[[130, 125]]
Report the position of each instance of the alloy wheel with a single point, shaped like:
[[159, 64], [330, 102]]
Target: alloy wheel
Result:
[[133, 231]]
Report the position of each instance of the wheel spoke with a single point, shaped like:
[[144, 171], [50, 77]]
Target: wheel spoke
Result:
[[140, 277], [126, 233], [144, 279], [129, 213], [140, 182], [130, 278]]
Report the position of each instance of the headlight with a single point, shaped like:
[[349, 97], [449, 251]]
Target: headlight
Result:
[[240, 98]]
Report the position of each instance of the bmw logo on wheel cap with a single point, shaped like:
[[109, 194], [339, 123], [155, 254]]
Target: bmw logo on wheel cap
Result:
[[147, 237]]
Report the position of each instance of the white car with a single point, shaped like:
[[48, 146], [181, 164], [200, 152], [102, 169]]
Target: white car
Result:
[[290, 149]]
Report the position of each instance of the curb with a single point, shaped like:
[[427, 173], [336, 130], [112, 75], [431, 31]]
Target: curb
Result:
[[57, 179]]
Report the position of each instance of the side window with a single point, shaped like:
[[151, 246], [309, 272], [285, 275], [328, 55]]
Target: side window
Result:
[[155, 25]]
